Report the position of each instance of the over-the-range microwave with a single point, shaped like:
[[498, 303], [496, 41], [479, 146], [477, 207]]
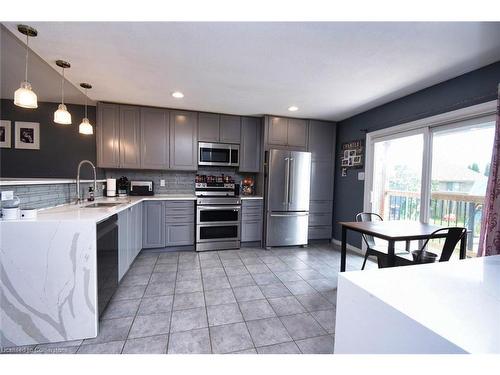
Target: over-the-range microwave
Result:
[[218, 154]]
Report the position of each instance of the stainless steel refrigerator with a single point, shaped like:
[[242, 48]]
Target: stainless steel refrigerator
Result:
[[287, 197]]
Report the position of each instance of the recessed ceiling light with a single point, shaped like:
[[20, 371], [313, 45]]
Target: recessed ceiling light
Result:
[[177, 94], [293, 108]]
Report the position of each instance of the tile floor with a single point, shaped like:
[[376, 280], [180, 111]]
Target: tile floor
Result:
[[232, 301]]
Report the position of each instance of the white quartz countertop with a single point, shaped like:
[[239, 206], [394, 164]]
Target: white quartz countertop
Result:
[[80, 212], [458, 300], [248, 197]]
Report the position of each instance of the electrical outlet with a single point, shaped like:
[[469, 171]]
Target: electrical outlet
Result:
[[162, 182], [7, 195]]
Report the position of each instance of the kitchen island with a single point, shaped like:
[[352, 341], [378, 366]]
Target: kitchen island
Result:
[[49, 272], [440, 308]]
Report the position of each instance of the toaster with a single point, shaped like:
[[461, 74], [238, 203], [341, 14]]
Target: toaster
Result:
[[141, 188]]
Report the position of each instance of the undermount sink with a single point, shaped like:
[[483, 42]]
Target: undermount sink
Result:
[[103, 204]]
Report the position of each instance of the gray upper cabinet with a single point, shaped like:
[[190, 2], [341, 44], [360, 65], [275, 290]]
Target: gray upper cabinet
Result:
[[183, 140], [230, 129], [107, 135], [321, 140], [154, 138], [288, 132], [297, 133], [322, 177], [208, 127], [130, 135], [250, 144], [153, 221], [278, 130], [219, 128]]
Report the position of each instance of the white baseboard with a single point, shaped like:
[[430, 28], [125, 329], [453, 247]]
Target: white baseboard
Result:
[[354, 249]]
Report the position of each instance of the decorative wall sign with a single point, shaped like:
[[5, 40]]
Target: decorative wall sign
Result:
[[27, 135], [5, 137], [352, 155]]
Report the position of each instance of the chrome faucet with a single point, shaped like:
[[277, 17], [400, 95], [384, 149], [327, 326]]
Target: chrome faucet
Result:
[[78, 197]]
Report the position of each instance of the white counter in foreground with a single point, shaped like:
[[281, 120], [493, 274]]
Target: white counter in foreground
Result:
[[451, 307]]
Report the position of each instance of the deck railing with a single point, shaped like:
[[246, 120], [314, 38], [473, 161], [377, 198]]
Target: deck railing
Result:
[[446, 209]]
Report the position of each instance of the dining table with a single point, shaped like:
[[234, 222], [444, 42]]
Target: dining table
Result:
[[392, 232]]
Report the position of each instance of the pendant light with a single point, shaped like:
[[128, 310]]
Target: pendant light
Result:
[[86, 127], [24, 95], [62, 116]]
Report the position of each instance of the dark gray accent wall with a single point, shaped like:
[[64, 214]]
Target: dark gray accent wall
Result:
[[472, 88], [61, 146]]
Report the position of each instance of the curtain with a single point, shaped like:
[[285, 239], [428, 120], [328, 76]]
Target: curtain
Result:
[[489, 239]]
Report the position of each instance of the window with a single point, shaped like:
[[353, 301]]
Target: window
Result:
[[443, 160]]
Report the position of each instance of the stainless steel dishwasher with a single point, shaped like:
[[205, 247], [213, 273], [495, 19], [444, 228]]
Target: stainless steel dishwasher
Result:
[[107, 261]]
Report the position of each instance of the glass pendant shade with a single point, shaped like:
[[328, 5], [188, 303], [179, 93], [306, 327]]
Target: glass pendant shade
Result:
[[62, 116], [25, 97], [85, 127]]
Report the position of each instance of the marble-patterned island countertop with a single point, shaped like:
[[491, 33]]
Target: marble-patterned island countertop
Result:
[[48, 269]]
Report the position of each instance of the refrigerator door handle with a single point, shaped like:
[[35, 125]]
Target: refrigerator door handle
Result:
[[290, 214], [287, 180], [290, 180]]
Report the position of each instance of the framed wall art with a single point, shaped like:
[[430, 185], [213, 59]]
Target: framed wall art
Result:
[[27, 135], [5, 135]]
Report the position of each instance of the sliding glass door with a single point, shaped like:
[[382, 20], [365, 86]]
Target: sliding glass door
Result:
[[461, 156], [434, 174], [397, 177]]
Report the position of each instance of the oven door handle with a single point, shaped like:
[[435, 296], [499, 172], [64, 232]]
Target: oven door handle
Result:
[[207, 208]]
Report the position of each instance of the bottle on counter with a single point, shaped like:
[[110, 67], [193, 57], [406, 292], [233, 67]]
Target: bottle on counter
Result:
[[91, 194]]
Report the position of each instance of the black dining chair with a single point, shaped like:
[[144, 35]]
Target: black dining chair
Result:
[[453, 236], [372, 249], [369, 240]]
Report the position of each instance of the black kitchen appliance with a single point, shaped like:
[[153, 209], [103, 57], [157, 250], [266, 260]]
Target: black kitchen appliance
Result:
[[142, 188], [107, 261]]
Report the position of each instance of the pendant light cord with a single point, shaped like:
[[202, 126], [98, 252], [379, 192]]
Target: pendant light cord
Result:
[[62, 86], [26, 67], [86, 104]]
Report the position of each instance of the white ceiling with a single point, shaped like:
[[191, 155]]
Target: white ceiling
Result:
[[330, 70]]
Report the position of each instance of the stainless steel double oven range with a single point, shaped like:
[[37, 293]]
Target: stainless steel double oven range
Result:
[[218, 216]]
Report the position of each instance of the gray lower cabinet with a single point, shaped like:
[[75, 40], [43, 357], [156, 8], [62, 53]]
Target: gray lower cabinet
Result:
[[230, 129], [130, 137], [250, 147], [179, 228], [183, 140], [107, 135], [129, 237], [179, 234], [123, 243], [154, 138], [251, 219], [153, 228]]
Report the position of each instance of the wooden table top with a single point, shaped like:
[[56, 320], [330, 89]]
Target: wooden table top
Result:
[[394, 230]]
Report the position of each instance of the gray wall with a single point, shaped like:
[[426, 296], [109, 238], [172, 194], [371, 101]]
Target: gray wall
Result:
[[469, 89], [61, 146]]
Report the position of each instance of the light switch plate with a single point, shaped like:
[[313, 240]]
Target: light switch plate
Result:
[[361, 176], [162, 182], [7, 195]]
